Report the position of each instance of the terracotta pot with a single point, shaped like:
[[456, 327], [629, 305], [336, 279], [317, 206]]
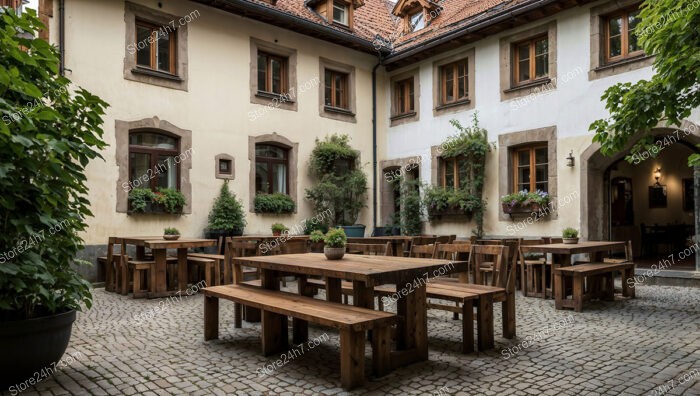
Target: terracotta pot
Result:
[[276, 233], [334, 253], [570, 241], [171, 237]]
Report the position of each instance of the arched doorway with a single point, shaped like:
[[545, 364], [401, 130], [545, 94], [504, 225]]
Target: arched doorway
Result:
[[611, 185]]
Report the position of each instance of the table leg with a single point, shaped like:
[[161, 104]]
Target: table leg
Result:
[[334, 292], [158, 277], [300, 328], [182, 269], [508, 315], [274, 326], [412, 332]]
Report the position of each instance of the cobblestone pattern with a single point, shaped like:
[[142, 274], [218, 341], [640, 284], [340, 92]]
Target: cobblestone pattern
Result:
[[621, 347]]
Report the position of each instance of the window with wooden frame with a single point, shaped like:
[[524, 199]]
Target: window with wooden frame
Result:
[[453, 171], [271, 169], [530, 168], [154, 160], [621, 40], [416, 21], [454, 82], [336, 89], [272, 73], [340, 12], [530, 60], [404, 97], [156, 47]]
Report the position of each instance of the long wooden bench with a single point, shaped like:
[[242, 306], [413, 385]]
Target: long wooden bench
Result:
[[592, 280], [352, 322]]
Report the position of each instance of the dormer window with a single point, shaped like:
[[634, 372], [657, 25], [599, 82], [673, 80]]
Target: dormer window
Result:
[[340, 13], [416, 21]]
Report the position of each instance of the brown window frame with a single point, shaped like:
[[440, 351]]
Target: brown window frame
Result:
[[454, 163], [455, 82], [269, 161], [404, 96], [533, 174], [533, 60], [623, 14], [154, 153], [284, 80], [345, 88], [155, 28]]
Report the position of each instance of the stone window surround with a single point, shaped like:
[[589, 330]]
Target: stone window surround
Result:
[[131, 71], [286, 102], [293, 160], [599, 69], [225, 176], [337, 114], [509, 141], [440, 109], [122, 130], [508, 90], [415, 114], [386, 192]]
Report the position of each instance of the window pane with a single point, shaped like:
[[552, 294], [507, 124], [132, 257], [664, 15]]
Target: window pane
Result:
[[143, 46], [615, 46], [542, 47], [225, 166], [417, 21], [524, 158], [542, 186], [541, 66], [449, 84], [276, 76], [269, 151], [166, 172], [164, 51], [329, 88], [541, 173], [524, 70], [615, 25], [411, 105], [154, 140], [261, 178], [340, 13], [462, 167], [633, 20], [615, 38], [279, 178], [524, 178], [462, 84], [139, 165], [541, 155], [449, 173], [400, 97], [338, 90], [262, 72]]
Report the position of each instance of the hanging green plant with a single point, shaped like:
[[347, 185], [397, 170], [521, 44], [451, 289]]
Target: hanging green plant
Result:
[[470, 143]]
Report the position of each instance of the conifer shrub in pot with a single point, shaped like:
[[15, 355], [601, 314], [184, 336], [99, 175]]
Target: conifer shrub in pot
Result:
[[49, 133], [226, 217]]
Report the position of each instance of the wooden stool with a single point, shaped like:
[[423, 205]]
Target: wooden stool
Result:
[[140, 270], [211, 276]]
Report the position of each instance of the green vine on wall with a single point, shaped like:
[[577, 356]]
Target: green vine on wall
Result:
[[471, 144]]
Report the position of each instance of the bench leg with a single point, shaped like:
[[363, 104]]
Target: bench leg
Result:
[[208, 269], [559, 290], [237, 315], [217, 272], [508, 315], [467, 326], [484, 315], [300, 328], [211, 318], [381, 351], [125, 279], [578, 293], [352, 358], [628, 282], [274, 333]]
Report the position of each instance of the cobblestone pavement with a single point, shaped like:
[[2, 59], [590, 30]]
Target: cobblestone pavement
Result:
[[123, 346]]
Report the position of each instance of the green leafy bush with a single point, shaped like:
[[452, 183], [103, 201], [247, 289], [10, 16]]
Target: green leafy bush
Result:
[[139, 198], [172, 200], [316, 236], [569, 233], [171, 231], [439, 200], [311, 225], [227, 213], [336, 238], [276, 203], [43, 156], [279, 227]]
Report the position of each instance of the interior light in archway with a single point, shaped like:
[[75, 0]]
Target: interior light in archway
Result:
[[657, 175]]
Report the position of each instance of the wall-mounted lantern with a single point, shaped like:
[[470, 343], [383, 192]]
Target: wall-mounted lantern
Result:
[[570, 160]]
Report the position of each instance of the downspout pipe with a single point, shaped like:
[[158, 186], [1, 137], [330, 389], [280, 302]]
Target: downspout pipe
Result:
[[374, 141], [62, 37]]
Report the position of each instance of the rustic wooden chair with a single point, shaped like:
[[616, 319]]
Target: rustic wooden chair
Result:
[[445, 238], [423, 251], [224, 273], [486, 268], [455, 252], [294, 246], [376, 249], [113, 264], [629, 256], [533, 270]]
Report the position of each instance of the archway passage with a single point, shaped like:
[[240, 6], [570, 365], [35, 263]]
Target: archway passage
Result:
[[650, 201]]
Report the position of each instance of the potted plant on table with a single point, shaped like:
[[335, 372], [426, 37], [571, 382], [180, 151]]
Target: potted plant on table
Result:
[[316, 239], [278, 229], [336, 240], [171, 234], [45, 150], [570, 236], [226, 217]]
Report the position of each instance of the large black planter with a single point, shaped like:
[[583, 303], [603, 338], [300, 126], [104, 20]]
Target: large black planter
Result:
[[28, 346], [354, 231]]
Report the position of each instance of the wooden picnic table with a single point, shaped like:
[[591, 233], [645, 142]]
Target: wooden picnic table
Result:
[[409, 274], [563, 252], [399, 243], [159, 247]]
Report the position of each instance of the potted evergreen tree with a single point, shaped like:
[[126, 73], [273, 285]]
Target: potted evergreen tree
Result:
[[51, 130], [341, 186], [226, 217]]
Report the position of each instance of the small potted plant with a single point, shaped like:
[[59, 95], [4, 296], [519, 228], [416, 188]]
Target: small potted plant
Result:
[[171, 234], [335, 244], [316, 239], [278, 229], [570, 235]]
